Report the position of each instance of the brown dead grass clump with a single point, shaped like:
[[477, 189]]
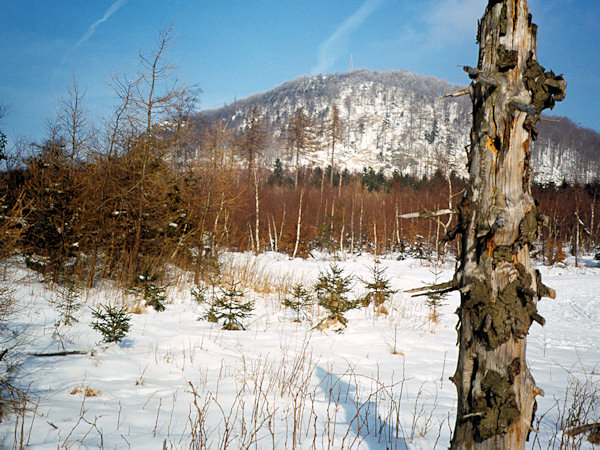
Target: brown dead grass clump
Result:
[[87, 391]]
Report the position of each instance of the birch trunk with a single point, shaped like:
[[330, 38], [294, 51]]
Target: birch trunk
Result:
[[298, 225], [498, 220], [257, 211]]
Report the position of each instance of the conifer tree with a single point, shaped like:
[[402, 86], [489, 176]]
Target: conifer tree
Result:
[[331, 290], [334, 134], [112, 322], [229, 308], [300, 301], [379, 288], [145, 286]]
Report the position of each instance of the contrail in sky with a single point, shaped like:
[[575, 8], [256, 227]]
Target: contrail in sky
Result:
[[92, 28], [328, 49], [90, 31]]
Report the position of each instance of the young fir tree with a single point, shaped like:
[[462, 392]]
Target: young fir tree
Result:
[[147, 288], [379, 289], [199, 293], [229, 309], [112, 322], [301, 300], [331, 289]]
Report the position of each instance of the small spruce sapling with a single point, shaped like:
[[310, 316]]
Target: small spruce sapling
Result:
[[199, 293], [214, 280], [379, 289], [331, 289], [301, 300], [146, 287], [68, 302], [111, 322], [435, 299], [229, 309]]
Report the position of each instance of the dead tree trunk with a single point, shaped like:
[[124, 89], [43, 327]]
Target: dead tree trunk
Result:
[[498, 220]]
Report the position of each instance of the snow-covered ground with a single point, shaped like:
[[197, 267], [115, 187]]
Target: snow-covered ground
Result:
[[182, 382]]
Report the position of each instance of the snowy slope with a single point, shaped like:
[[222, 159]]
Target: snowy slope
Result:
[[397, 121], [383, 382]]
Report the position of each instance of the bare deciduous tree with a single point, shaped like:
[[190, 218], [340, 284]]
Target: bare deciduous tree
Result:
[[73, 122], [301, 137], [334, 134], [251, 145], [2, 135]]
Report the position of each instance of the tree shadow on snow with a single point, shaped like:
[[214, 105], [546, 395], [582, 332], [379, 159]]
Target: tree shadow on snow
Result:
[[591, 262], [366, 414], [126, 343]]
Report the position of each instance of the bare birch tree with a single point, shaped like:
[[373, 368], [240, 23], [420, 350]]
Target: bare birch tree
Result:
[[252, 145]]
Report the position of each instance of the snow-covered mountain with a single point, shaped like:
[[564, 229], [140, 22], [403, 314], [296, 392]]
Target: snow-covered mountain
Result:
[[397, 121]]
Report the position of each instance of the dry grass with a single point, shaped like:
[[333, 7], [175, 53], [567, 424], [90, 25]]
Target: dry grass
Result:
[[279, 402], [254, 276], [137, 308], [87, 391]]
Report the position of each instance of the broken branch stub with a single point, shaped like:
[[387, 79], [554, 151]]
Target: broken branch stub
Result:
[[427, 214], [456, 94], [430, 289]]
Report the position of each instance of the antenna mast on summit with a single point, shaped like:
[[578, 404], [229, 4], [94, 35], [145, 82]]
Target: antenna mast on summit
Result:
[[351, 63]]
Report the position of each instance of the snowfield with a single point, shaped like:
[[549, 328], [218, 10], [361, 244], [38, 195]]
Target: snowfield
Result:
[[180, 382]]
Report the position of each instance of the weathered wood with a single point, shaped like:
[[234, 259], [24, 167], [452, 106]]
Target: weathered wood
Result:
[[482, 77], [427, 214], [429, 287], [592, 427], [456, 94], [451, 235], [65, 353], [440, 288], [498, 221]]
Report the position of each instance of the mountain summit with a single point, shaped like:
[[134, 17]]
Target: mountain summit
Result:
[[397, 120]]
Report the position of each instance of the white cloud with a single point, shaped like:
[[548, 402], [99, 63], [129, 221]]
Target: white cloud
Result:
[[453, 20], [330, 49]]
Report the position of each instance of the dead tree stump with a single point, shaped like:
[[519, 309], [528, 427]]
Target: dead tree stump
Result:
[[498, 221]]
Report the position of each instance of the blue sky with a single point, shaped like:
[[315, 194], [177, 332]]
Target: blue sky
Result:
[[232, 49]]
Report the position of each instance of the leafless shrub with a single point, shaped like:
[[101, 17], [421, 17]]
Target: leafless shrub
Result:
[[13, 398], [278, 402], [579, 414]]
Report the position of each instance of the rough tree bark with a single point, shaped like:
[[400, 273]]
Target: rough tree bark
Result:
[[498, 220]]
